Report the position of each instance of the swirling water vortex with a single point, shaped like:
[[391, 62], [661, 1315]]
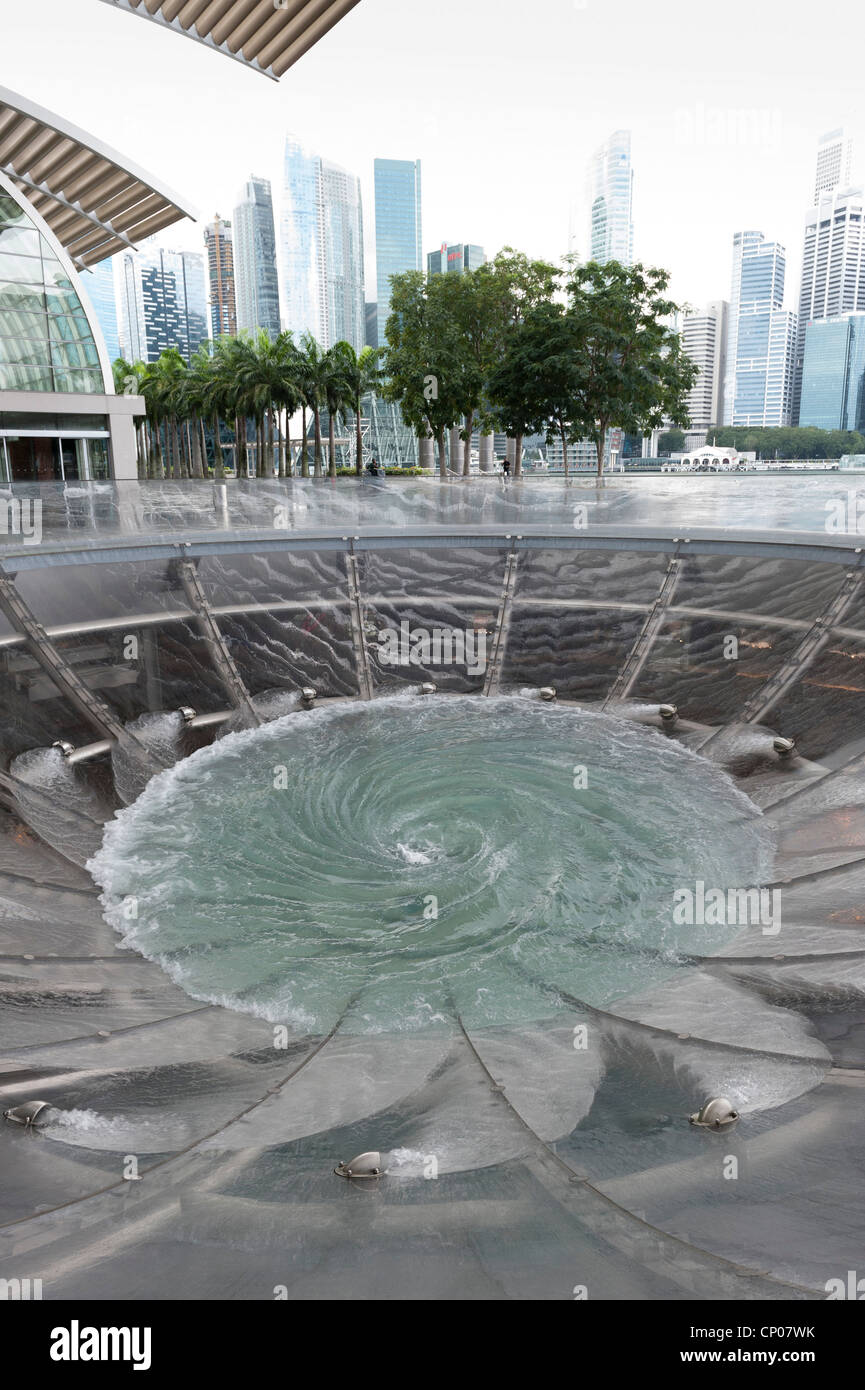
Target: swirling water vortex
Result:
[[417, 856]]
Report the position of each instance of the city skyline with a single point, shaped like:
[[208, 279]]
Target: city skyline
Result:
[[740, 140]]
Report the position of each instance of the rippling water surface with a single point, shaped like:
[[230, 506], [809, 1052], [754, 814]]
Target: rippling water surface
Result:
[[412, 857]]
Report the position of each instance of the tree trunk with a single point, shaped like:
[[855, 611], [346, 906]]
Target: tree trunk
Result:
[[316, 418], [563, 432], [443, 462], [304, 456], [331, 439], [599, 445], [518, 456], [218, 460], [467, 446], [358, 463]]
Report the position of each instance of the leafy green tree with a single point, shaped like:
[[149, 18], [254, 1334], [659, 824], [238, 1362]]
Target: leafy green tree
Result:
[[423, 360], [671, 442], [632, 371]]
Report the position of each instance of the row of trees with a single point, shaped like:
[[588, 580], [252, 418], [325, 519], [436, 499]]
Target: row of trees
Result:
[[247, 388], [801, 442], [520, 346], [525, 347]]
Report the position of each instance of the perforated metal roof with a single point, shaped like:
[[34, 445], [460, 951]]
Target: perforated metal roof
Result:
[[268, 35]]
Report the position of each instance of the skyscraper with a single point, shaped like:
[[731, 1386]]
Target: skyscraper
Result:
[[220, 270], [300, 243], [163, 303], [345, 299], [833, 267], [833, 376], [398, 233], [98, 281], [455, 259], [321, 249], [743, 242], [256, 284], [611, 194], [834, 163], [765, 335], [704, 339]]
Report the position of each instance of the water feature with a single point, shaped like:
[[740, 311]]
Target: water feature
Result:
[[418, 856]]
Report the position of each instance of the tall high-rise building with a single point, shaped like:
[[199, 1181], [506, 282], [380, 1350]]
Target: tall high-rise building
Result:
[[163, 303], [455, 259], [833, 376], [743, 243], [345, 298], [704, 339], [611, 198], [301, 246], [220, 270], [98, 281], [321, 249], [371, 311], [834, 163], [398, 232], [256, 283], [833, 267], [765, 335]]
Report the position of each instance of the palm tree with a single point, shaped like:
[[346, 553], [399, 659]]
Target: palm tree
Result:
[[336, 396], [361, 373], [313, 372]]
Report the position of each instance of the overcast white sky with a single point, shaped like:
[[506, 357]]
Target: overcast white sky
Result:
[[502, 100]]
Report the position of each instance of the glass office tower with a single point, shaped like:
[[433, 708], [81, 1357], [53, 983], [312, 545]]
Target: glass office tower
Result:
[[611, 196], [833, 376], [98, 282], [398, 232], [256, 285]]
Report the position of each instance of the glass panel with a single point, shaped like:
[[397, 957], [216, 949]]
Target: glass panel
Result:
[[579, 651], [21, 298], [75, 355], [623, 576], [742, 584], [20, 378], [273, 577], [688, 666], [825, 709], [24, 351], [98, 454], [442, 571], [16, 323], [33, 460], [78, 381], [164, 668], [288, 651], [451, 642], [21, 240], [32, 714], [20, 269], [95, 593], [10, 211]]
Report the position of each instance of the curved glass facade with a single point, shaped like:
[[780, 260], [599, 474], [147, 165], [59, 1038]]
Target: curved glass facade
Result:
[[46, 339]]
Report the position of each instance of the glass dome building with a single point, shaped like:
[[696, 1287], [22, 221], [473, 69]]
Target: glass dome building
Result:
[[50, 345]]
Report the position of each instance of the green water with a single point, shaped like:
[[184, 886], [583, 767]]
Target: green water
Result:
[[414, 857]]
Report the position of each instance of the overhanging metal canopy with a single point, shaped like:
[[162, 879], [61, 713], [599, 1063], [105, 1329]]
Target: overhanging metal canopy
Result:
[[267, 35], [95, 202]]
